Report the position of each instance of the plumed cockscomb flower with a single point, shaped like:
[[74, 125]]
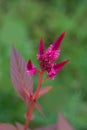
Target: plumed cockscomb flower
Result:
[[47, 58]]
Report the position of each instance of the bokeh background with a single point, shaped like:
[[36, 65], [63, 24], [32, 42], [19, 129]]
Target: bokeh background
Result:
[[22, 23]]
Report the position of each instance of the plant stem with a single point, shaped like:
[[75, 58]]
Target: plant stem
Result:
[[29, 114], [39, 85]]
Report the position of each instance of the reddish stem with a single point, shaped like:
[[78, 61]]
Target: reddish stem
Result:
[[38, 86], [30, 111]]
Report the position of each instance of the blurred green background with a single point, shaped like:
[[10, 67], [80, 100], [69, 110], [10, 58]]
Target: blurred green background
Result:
[[22, 23]]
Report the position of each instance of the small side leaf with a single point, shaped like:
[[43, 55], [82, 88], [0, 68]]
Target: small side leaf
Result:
[[4, 126], [44, 91], [38, 107], [19, 76]]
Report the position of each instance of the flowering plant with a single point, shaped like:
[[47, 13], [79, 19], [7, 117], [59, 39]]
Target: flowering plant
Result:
[[21, 75]]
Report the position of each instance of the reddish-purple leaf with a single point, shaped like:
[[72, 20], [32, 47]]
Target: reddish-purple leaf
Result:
[[20, 79], [4, 126], [63, 124], [44, 90], [20, 126]]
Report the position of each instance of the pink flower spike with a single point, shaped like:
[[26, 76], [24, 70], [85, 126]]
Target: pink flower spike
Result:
[[41, 49], [31, 69], [56, 44], [59, 66], [47, 58], [56, 68], [53, 50]]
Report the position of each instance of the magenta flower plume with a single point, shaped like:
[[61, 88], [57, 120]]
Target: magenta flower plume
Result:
[[56, 68], [47, 58]]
